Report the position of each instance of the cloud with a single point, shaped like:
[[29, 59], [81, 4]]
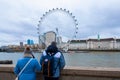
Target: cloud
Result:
[[19, 19]]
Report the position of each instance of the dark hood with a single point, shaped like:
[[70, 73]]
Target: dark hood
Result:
[[52, 49]]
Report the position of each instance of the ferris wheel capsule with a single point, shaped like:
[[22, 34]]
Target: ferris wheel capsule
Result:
[[43, 14], [41, 18], [60, 8], [73, 16], [68, 11], [37, 28], [38, 25], [49, 10], [64, 9], [76, 23], [53, 9], [46, 12]]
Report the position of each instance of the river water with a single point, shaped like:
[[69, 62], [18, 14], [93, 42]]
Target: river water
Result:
[[87, 59]]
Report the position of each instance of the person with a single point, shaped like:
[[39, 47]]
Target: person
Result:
[[29, 73], [58, 61]]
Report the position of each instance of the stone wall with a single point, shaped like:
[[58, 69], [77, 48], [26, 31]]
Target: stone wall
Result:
[[70, 73]]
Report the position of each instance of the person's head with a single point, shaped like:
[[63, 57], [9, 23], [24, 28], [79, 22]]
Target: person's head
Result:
[[54, 43], [52, 48], [28, 52]]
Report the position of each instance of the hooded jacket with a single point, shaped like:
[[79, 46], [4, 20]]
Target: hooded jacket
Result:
[[59, 61], [29, 72]]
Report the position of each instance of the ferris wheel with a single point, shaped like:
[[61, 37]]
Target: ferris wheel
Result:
[[60, 20]]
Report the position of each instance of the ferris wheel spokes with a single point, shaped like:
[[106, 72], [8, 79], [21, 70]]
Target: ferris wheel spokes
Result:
[[56, 29]]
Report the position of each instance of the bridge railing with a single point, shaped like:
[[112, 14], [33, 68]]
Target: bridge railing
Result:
[[70, 73]]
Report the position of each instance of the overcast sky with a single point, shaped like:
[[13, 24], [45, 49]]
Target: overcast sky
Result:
[[19, 19]]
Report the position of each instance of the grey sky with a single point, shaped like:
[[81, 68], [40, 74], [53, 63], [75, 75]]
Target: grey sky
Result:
[[19, 19]]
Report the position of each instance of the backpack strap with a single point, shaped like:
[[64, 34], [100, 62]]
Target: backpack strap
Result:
[[25, 67]]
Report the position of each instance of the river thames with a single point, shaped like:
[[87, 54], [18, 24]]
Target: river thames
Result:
[[87, 59]]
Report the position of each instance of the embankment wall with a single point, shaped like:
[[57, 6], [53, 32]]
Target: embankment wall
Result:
[[70, 73]]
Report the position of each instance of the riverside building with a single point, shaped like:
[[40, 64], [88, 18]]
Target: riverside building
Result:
[[95, 44]]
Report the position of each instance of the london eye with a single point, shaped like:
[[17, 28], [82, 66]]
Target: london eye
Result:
[[59, 20]]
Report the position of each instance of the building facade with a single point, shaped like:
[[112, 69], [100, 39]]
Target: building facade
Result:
[[49, 37], [95, 44]]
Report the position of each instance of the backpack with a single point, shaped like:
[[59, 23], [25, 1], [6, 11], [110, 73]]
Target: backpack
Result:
[[48, 65]]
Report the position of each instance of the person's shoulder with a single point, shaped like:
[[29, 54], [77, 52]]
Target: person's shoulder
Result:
[[20, 60], [58, 54], [44, 53]]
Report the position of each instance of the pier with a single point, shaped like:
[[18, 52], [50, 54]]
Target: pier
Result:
[[70, 73]]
